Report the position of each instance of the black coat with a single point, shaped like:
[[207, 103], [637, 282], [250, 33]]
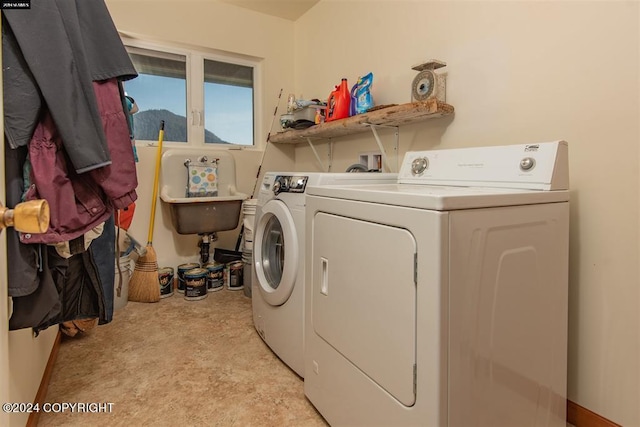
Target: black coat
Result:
[[51, 55]]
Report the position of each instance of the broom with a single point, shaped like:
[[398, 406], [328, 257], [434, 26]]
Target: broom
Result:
[[144, 285]]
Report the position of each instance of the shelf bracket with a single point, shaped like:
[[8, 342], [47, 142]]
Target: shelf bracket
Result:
[[385, 163], [315, 153]]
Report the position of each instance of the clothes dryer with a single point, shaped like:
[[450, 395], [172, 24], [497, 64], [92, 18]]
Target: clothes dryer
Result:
[[441, 300], [278, 257]]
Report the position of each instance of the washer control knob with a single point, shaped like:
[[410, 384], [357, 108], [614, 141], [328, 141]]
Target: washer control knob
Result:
[[276, 187], [527, 163], [419, 165]]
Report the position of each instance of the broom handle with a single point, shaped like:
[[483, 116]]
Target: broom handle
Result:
[[156, 178]]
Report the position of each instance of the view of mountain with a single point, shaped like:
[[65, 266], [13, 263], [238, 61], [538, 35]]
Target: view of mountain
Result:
[[146, 125]]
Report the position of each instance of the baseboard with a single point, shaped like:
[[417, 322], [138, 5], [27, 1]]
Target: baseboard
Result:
[[582, 417], [32, 421]]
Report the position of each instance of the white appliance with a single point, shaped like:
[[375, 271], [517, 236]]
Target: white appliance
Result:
[[441, 300], [278, 257]]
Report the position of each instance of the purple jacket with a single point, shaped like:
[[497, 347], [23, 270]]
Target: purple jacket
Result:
[[79, 202]]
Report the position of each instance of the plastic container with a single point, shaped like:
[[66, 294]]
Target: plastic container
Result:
[[246, 278], [363, 99], [249, 216], [306, 113], [119, 301], [339, 102], [354, 99]]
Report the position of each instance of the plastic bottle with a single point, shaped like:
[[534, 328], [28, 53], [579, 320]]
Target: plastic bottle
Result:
[[339, 102], [353, 110], [291, 103]]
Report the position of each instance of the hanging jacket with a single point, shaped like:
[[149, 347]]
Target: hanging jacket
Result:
[[79, 202], [47, 289], [118, 180], [52, 53], [78, 287]]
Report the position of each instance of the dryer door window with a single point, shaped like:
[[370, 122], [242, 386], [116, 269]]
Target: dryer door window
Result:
[[275, 246]]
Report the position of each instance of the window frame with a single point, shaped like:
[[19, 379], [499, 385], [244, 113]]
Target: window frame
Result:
[[195, 57]]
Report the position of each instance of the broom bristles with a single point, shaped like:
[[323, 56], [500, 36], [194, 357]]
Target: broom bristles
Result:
[[144, 285]]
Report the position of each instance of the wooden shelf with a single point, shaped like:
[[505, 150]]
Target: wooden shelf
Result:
[[395, 115]]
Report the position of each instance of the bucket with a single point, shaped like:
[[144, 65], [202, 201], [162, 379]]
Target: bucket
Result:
[[247, 259], [249, 213], [246, 278], [122, 280]]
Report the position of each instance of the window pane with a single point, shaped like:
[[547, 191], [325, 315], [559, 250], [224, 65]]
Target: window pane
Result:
[[160, 92], [228, 103]]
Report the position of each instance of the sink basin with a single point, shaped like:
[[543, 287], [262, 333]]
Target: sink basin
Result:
[[200, 215]]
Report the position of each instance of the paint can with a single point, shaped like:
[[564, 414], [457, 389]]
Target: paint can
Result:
[[165, 280], [183, 268], [234, 275], [195, 282], [215, 276]]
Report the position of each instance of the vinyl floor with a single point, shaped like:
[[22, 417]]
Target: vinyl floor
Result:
[[177, 363]]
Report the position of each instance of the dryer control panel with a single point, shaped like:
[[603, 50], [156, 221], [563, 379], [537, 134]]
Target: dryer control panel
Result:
[[542, 166], [289, 184]]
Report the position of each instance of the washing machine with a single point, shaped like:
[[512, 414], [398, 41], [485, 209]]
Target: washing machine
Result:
[[278, 257], [441, 299]]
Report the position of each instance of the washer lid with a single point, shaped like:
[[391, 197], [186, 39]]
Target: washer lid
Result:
[[439, 198]]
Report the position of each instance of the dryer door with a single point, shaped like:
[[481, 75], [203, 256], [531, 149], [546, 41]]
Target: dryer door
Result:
[[275, 250]]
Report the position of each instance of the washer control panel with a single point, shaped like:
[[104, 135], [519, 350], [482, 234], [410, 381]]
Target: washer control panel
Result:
[[289, 184]]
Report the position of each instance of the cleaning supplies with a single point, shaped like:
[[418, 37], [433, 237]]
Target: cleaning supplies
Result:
[[144, 285], [339, 102], [361, 99], [364, 100], [354, 99]]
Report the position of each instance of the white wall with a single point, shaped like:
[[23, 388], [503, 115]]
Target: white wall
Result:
[[4, 301], [519, 72], [28, 357], [218, 26]]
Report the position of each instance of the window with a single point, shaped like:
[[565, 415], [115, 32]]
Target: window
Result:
[[204, 98], [228, 97]]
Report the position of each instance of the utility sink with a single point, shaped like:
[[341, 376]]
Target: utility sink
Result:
[[200, 214]]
